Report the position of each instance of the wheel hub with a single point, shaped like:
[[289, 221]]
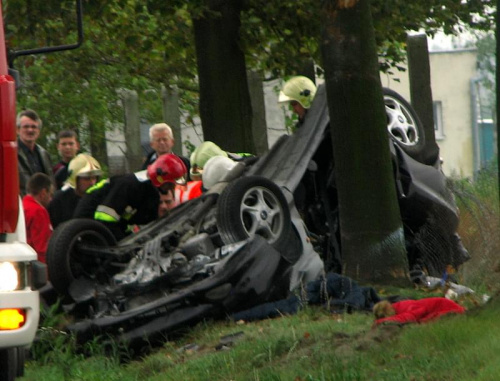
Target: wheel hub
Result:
[[263, 215]]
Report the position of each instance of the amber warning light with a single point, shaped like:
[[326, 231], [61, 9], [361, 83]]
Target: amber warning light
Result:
[[12, 319]]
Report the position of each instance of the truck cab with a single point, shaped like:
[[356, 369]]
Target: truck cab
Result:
[[20, 272]]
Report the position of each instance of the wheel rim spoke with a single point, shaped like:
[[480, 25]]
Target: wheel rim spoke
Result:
[[400, 122], [261, 213]]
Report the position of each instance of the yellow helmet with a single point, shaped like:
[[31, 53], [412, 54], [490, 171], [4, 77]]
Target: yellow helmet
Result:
[[300, 89], [202, 153], [82, 165]]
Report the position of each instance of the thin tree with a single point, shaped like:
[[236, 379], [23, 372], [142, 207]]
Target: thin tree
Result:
[[371, 229]]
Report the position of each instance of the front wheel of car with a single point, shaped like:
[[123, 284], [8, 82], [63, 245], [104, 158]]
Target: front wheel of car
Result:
[[403, 124], [250, 206], [66, 262]]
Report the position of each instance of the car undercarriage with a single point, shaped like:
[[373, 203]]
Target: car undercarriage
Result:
[[271, 225]]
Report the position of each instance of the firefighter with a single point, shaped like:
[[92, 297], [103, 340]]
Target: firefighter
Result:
[[201, 155], [299, 92], [132, 199], [216, 169], [84, 171]]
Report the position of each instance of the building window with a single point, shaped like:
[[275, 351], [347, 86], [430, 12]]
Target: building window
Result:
[[438, 119]]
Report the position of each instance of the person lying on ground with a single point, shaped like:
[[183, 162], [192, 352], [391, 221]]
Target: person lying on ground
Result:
[[414, 311]]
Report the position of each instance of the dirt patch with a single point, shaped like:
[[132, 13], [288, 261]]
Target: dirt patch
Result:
[[348, 345]]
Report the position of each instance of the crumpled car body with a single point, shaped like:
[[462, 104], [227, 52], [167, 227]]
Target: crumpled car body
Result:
[[266, 228]]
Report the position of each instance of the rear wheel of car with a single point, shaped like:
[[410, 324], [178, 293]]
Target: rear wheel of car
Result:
[[254, 205], [65, 260], [8, 364], [403, 124]]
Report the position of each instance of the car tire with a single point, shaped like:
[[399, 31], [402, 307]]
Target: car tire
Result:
[[254, 205], [403, 124], [63, 259], [8, 364]]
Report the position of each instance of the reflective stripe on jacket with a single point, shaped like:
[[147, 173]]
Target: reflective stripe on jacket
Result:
[[188, 192]]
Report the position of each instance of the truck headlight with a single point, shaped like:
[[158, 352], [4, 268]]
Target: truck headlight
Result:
[[9, 277]]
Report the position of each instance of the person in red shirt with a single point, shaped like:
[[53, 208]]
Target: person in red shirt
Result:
[[414, 311], [38, 227]]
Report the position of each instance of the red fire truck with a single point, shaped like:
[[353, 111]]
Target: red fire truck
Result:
[[21, 275]]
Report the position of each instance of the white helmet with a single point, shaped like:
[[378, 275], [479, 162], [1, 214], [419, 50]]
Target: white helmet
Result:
[[215, 170], [82, 165], [300, 89]]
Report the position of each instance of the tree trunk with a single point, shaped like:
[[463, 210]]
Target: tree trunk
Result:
[[307, 69], [225, 106], [371, 230]]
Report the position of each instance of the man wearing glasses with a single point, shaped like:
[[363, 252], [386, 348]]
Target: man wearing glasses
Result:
[[162, 141], [32, 158]]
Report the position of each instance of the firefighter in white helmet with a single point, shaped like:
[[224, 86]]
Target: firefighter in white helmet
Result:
[[299, 92], [216, 170], [200, 156], [84, 171]]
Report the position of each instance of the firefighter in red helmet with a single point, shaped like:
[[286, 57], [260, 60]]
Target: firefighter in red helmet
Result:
[[131, 199]]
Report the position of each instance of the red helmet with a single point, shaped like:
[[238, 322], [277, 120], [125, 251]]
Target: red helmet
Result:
[[168, 168]]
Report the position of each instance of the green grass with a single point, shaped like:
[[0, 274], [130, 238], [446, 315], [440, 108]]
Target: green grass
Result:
[[312, 345]]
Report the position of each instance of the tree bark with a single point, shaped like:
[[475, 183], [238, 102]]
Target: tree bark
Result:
[[225, 106], [371, 230]]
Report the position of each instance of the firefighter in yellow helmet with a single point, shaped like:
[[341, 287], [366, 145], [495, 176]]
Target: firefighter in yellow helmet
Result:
[[201, 155], [84, 171], [299, 92]]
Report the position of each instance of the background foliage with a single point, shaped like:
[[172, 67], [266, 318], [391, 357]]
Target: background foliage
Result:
[[141, 45]]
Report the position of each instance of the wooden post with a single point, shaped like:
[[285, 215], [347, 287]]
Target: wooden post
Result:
[[259, 124], [497, 75], [132, 126], [172, 115], [419, 72]]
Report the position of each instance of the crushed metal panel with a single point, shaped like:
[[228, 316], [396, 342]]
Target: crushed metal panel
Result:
[[287, 161]]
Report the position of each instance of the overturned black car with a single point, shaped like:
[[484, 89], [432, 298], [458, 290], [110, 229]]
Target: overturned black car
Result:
[[252, 238]]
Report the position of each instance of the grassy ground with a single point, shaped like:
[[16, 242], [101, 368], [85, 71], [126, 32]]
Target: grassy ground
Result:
[[318, 345], [312, 345]]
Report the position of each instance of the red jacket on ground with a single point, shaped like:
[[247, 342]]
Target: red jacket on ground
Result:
[[38, 227], [423, 310]]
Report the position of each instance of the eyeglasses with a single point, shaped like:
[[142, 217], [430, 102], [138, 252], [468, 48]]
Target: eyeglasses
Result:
[[26, 126]]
